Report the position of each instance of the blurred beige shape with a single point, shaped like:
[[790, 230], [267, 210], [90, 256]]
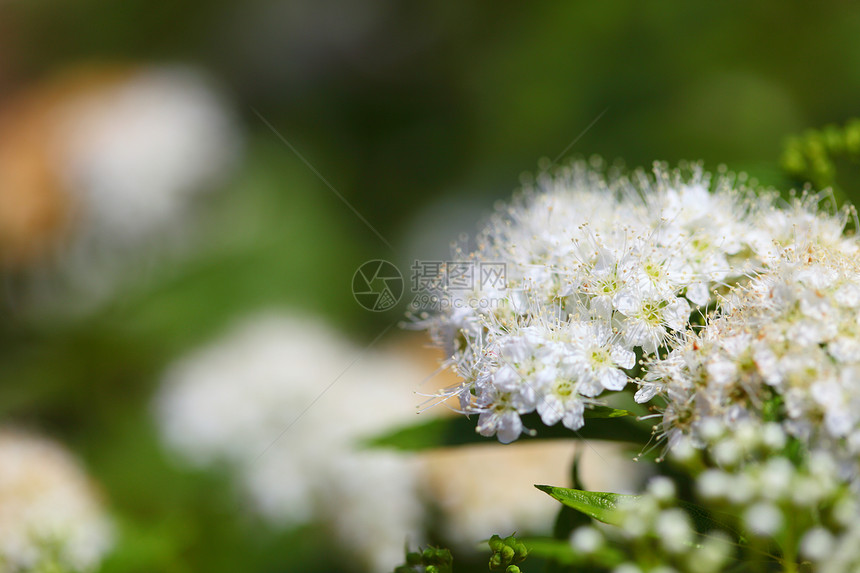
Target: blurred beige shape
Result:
[[487, 489], [33, 207]]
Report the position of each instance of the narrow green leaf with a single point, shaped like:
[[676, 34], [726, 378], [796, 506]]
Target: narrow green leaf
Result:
[[433, 433], [603, 423], [600, 505]]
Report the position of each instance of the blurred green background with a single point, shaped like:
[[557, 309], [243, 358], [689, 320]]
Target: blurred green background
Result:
[[419, 115]]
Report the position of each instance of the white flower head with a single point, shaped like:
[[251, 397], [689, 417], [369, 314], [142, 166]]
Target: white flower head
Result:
[[783, 347], [231, 400], [598, 269], [50, 513]]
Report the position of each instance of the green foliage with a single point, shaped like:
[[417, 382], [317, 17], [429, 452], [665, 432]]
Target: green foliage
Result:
[[506, 556], [812, 156], [508, 553], [568, 518], [601, 506], [430, 560], [604, 423]]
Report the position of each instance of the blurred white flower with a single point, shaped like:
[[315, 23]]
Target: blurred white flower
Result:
[[586, 539], [654, 520], [800, 501], [763, 518], [816, 544], [50, 514], [285, 401], [134, 152], [101, 172], [674, 530]]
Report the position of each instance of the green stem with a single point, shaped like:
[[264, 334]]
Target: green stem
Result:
[[789, 548]]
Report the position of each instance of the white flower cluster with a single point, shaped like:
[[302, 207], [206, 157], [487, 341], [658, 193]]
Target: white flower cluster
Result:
[[102, 168], [597, 269], [785, 346], [796, 500], [134, 152], [134, 158], [759, 505], [659, 534], [50, 516], [270, 401]]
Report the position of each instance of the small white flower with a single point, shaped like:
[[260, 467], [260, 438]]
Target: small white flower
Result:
[[776, 478], [714, 552], [763, 518], [773, 436], [816, 544], [673, 530], [646, 392], [647, 320], [586, 539], [596, 360], [561, 402], [713, 484], [500, 419], [662, 488], [727, 452]]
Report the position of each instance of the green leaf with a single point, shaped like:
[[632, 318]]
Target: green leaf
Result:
[[600, 505], [604, 423], [603, 506], [568, 518]]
